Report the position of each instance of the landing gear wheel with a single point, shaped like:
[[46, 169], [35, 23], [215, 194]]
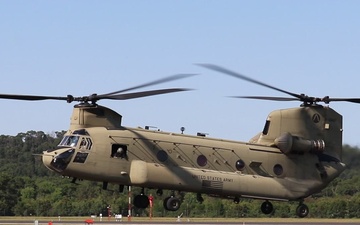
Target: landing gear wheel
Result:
[[171, 203], [159, 192], [267, 207], [141, 201], [199, 198], [302, 211], [236, 200]]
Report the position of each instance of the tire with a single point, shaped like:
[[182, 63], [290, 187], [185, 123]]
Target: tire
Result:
[[141, 201], [267, 207], [173, 204], [165, 203], [302, 211]]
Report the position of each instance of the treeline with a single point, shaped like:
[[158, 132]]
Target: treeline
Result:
[[28, 188]]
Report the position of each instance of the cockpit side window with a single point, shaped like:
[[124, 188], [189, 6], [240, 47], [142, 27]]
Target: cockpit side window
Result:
[[85, 143], [73, 140]]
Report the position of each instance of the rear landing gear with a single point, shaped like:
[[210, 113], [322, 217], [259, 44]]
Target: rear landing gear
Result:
[[302, 210], [199, 198], [267, 207]]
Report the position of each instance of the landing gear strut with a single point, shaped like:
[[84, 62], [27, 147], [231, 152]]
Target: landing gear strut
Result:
[[236, 200], [199, 198]]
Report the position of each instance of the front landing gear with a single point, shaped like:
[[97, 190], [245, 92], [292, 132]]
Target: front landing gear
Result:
[[172, 203], [141, 201]]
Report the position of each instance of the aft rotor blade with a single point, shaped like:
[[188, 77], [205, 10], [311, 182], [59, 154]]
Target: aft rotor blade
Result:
[[144, 94], [240, 76], [31, 97], [353, 100], [267, 98], [159, 81]]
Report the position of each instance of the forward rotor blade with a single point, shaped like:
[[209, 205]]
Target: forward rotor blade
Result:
[[159, 81], [240, 76], [31, 97], [144, 94], [267, 98], [112, 95]]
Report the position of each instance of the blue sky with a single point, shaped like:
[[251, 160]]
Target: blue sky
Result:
[[83, 47]]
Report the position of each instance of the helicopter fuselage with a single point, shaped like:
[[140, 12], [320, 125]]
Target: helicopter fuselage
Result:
[[155, 159]]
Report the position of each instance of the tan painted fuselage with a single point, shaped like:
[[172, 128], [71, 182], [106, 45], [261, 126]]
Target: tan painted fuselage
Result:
[[224, 168]]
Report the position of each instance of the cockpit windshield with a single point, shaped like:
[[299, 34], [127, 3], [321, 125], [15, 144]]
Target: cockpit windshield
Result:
[[69, 140]]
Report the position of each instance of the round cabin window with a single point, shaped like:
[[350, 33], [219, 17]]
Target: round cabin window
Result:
[[240, 164], [278, 169], [162, 156], [201, 160]]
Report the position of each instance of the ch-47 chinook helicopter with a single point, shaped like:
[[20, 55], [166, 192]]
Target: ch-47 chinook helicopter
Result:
[[297, 154]]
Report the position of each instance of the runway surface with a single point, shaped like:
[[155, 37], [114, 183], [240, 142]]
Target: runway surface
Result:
[[299, 222]]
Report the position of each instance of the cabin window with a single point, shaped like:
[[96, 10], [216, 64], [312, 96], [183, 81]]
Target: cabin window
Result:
[[118, 151], [162, 156], [80, 157], [201, 160], [266, 127], [240, 164], [278, 169]]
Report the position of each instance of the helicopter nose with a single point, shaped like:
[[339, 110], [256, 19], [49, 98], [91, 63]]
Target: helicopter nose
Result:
[[46, 159], [57, 160]]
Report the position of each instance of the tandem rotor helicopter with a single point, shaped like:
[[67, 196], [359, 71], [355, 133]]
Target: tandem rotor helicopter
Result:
[[297, 154]]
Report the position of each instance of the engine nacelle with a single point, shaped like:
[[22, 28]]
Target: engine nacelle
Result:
[[288, 143]]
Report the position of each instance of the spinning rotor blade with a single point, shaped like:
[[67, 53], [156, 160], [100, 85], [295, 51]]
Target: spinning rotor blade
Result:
[[240, 76], [31, 97], [144, 94], [353, 100], [301, 97], [163, 80], [267, 98], [112, 95]]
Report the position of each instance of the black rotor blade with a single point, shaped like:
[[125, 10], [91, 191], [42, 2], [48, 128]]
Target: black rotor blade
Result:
[[143, 94], [112, 95], [353, 100], [31, 97], [159, 81], [240, 76], [267, 98]]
